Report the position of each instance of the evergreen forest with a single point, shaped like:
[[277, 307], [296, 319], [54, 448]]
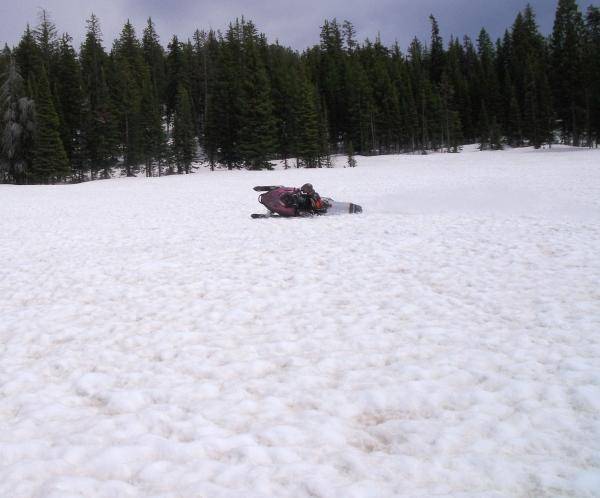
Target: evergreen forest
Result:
[[233, 99]]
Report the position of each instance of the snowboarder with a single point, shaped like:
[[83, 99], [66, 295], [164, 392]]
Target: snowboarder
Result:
[[287, 202]]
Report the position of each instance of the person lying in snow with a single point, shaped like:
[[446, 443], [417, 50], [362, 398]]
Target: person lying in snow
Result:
[[287, 202], [310, 201]]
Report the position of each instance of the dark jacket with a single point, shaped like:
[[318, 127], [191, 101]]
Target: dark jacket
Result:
[[311, 203]]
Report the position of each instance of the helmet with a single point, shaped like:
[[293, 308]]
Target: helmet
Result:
[[307, 188]]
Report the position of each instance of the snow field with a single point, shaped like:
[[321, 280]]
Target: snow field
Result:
[[157, 342]]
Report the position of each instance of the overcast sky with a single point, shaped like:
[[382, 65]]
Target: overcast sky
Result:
[[292, 22]]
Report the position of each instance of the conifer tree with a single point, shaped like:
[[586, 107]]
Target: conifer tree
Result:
[[154, 56], [176, 75], [484, 127], [256, 139], [359, 103], [213, 92], [488, 73], [459, 89], [349, 36], [129, 72], [324, 158], [592, 75], [28, 57], [285, 75], [225, 100], [420, 82], [198, 79], [307, 144], [47, 42], [192, 78], [184, 144], [49, 162], [455, 137], [17, 124], [472, 111], [410, 115], [436, 54], [5, 56], [331, 74], [153, 139], [386, 115], [69, 95], [567, 54], [536, 113], [451, 118], [514, 133], [99, 130], [46, 38], [529, 73], [495, 135]]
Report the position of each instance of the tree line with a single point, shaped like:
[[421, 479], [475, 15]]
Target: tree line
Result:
[[235, 100]]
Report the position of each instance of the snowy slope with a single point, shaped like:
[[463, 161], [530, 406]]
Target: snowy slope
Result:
[[157, 342]]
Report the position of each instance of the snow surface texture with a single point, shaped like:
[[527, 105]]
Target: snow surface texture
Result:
[[157, 342]]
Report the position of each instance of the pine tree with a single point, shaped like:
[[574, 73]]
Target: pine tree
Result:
[[488, 74], [99, 130], [472, 110], [5, 56], [349, 35], [534, 126], [359, 102], [459, 101], [456, 136], [28, 57], [69, 95], [529, 72], [177, 74], [307, 144], [129, 72], [49, 163], [330, 69], [17, 124], [435, 111], [495, 135], [410, 113], [386, 115], [436, 54], [285, 75], [192, 77], [567, 54], [420, 83], [184, 144], [154, 56], [213, 92], [46, 38], [47, 42], [324, 158], [514, 128], [592, 76], [256, 138], [225, 102], [484, 127], [451, 118], [152, 138]]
